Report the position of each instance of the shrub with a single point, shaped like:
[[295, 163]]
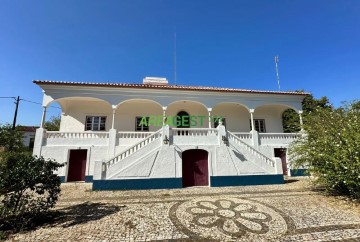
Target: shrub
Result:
[[28, 188], [331, 149]]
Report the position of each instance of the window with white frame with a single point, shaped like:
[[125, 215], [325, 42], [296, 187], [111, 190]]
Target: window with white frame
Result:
[[95, 123], [259, 125], [216, 122], [141, 126]]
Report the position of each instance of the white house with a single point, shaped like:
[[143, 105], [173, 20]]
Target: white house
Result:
[[28, 135], [156, 135]]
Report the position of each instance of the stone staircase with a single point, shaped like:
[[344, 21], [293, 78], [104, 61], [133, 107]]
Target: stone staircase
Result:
[[248, 159], [127, 159]]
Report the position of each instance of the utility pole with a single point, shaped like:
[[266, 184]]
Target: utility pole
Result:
[[16, 111]]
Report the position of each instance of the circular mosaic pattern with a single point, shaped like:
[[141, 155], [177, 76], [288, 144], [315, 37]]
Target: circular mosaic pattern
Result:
[[227, 218]]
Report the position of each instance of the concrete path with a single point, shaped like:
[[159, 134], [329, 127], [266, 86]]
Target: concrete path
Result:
[[289, 212]]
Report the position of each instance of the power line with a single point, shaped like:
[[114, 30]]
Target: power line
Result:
[[17, 107], [9, 97], [38, 103], [21, 99]]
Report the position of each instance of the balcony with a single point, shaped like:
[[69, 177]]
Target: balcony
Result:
[[179, 136]]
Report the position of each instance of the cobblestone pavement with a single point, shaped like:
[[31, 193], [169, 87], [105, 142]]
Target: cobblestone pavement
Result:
[[289, 212]]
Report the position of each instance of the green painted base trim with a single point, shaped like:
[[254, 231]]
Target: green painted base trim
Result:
[[224, 181], [137, 184], [87, 179], [299, 172], [169, 183]]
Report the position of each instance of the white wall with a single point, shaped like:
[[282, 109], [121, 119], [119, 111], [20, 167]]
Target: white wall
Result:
[[74, 116], [26, 137], [273, 117], [237, 116], [61, 155], [128, 111]]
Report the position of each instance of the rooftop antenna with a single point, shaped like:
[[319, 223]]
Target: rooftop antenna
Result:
[[277, 70], [175, 57]]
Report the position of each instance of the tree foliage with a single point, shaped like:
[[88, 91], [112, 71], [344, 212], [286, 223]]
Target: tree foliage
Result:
[[291, 121], [53, 124], [28, 185], [331, 148], [11, 140]]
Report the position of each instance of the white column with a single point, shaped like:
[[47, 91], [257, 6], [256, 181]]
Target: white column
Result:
[[113, 116], [112, 135], [252, 119], [43, 117], [209, 111], [301, 120], [164, 115], [254, 133]]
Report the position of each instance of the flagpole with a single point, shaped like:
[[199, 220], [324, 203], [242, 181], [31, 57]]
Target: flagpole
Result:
[[277, 70]]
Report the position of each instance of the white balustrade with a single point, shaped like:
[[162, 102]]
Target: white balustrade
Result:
[[134, 135], [76, 135], [243, 135], [57, 138], [194, 136], [194, 132], [246, 137], [149, 139], [251, 149], [278, 138]]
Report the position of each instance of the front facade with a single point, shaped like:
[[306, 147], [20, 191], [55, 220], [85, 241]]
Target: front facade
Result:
[[155, 135]]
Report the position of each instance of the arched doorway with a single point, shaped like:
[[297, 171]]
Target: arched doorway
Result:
[[184, 119], [195, 170]]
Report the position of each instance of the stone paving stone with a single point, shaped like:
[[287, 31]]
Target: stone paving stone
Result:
[[289, 212]]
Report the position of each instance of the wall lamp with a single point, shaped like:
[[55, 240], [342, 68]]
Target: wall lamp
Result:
[[166, 140], [225, 140]]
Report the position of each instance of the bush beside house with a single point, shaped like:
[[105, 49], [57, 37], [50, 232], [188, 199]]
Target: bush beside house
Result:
[[331, 149], [28, 185]]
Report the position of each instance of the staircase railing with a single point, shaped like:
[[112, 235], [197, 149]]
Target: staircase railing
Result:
[[251, 149], [133, 149]]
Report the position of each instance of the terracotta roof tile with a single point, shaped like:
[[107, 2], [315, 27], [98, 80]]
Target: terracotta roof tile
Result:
[[169, 87]]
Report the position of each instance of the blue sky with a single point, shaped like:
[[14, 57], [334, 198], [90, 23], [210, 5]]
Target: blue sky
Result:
[[219, 43]]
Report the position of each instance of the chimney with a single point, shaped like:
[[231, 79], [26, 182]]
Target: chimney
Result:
[[155, 81]]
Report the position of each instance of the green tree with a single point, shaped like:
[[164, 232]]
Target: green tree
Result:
[[11, 140], [290, 118], [28, 185], [53, 124], [331, 149]]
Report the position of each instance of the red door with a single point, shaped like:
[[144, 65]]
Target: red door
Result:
[[281, 153], [77, 165], [195, 168]]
